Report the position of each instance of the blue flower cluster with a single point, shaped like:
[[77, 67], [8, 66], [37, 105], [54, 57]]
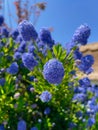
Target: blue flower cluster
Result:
[[2, 81], [45, 37], [47, 111], [45, 96], [4, 32], [14, 34], [82, 93], [13, 69], [27, 31], [81, 35], [21, 125], [1, 20], [29, 61], [86, 64], [53, 71]]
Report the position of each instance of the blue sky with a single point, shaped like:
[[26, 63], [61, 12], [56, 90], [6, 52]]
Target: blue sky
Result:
[[65, 16]]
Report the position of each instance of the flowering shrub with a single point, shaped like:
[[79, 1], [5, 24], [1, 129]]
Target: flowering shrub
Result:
[[39, 86]]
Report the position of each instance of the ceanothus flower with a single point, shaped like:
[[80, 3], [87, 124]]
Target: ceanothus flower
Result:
[[29, 61], [22, 47], [81, 34], [15, 34], [77, 54], [21, 125], [34, 128], [2, 81], [1, 20], [47, 111], [91, 121], [53, 71], [31, 49], [13, 69], [17, 55], [70, 46], [45, 96], [86, 63], [45, 37], [80, 97], [2, 127], [27, 31], [4, 32], [85, 82]]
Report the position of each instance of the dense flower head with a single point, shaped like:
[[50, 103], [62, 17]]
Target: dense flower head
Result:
[[2, 127], [45, 37], [31, 49], [17, 55], [27, 31], [4, 32], [2, 81], [31, 78], [22, 47], [29, 61], [86, 63], [77, 54], [34, 128], [21, 125], [70, 46], [80, 97], [81, 34], [47, 111], [45, 96], [19, 39], [91, 121], [13, 69], [1, 20], [14, 34], [85, 82], [53, 71]]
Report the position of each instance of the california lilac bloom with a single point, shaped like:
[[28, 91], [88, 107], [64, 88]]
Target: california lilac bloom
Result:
[[14, 34], [53, 71], [2, 81], [45, 37], [45, 96], [29, 61], [43, 48], [80, 97], [85, 82], [19, 39], [72, 125], [2, 127], [81, 34], [70, 46], [22, 47], [77, 54], [86, 63], [31, 78], [80, 90], [4, 32], [34, 128], [47, 111], [91, 121], [89, 71], [21, 125], [27, 31], [31, 49], [1, 20], [17, 55], [13, 69]]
